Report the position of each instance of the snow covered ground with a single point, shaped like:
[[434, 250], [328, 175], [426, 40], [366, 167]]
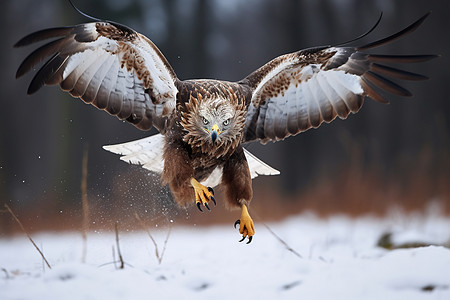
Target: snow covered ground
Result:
[[339, 260]]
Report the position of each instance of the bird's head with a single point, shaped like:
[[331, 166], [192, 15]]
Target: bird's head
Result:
[[216, 120], [213, 124]]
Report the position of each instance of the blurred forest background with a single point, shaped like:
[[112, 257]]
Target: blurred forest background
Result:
[[385, 156]]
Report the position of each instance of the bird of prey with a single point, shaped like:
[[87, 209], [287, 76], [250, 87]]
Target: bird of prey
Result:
[[204, 123]]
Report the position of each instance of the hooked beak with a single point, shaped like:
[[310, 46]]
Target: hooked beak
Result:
[[214, 132]]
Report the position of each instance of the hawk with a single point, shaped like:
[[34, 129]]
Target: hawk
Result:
[[204, 123]]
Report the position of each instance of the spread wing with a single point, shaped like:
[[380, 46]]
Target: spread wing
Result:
[[301, 90], [108, 65]]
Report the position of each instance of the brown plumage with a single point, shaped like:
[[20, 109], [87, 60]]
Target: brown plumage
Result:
[[206, 122], [215, 102]]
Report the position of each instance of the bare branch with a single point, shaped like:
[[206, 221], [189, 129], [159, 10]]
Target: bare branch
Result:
[[84, 203], [6, 273], [165, 244], [29, 237], [289, 248], [122, 264], [158, 256]]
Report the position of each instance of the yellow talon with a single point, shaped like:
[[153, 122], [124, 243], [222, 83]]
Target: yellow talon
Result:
[[246, 226], [203, 194]]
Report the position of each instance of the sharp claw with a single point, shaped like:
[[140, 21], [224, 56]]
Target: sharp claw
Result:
[[207, 207], [198, 206], [237, 223], [243, 238], [211, 190], [250, 238], [213, 200]]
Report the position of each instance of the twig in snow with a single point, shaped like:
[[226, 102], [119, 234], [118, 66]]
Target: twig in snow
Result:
[[84, 203], [6, 273], [165, 243], [122, 264], [159, 257], [29, 237], [114, 263], [114, 257], [289, 248]]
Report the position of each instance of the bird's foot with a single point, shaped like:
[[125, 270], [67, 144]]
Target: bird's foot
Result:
[[246, 227], [203, 194]]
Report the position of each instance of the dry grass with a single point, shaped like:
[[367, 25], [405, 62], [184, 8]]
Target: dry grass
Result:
[[119, 253], [27, 234], [159, 255], [84, 203]]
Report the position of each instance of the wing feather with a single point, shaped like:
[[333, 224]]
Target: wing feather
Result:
[[107, 86], [280, 125], [95, 83], [301, 90], [314, 107], [326, 107], [44, 34], [108, 65], [386, 84], [396, 73], [348, 91], [303, 110], [75, 82], [270, 115], [292, 125], [36, 56], [86, 78], [329, 95]]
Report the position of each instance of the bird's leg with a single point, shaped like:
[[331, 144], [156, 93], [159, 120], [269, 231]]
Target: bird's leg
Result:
[[203, 194], [246, 227]]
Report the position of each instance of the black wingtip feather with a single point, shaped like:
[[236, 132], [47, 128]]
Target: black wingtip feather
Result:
[[37, 56], [362, 35], [46, 72], [371, 92], [402, 58], [82, 13], [43, 34], [118, 25], [396, 73], [397, 35], [386, 84]]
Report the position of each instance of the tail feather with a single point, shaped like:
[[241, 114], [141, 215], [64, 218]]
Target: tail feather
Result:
[[146, 152], [258, 167]]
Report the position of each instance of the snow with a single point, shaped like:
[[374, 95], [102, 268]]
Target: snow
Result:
[[339, 260]]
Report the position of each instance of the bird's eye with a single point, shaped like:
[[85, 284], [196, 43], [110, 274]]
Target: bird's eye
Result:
[[226, 122], [205, 122]]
